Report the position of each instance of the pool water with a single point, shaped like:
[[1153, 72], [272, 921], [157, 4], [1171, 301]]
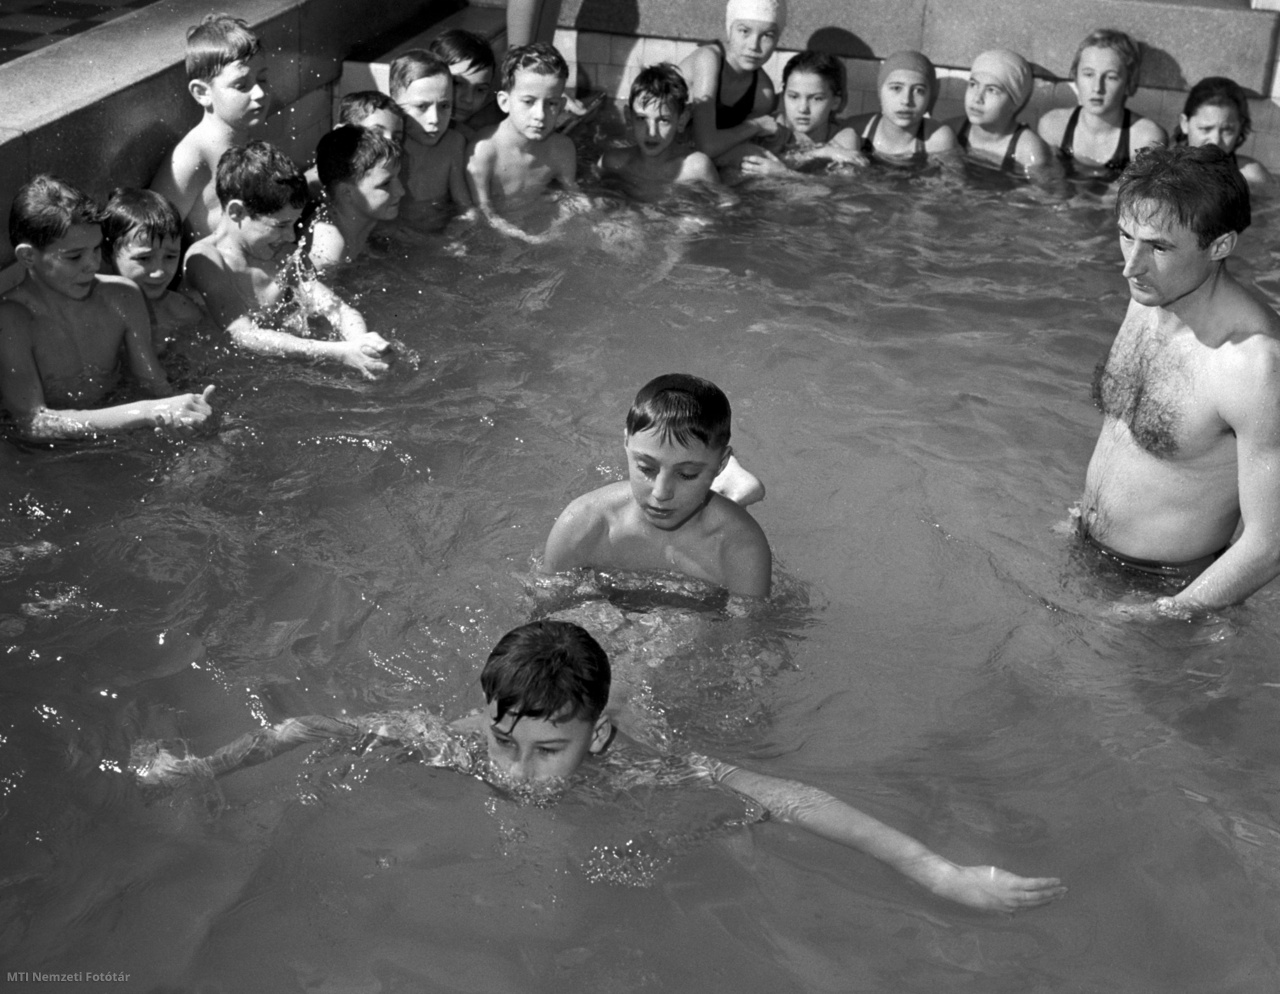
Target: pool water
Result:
[[909, 363]]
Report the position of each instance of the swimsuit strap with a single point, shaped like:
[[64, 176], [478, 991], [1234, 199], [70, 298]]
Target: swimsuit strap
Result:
[[869, 136], [920, 149], [962, 136], [1009, 163], [1121, 157], [1067, 150]]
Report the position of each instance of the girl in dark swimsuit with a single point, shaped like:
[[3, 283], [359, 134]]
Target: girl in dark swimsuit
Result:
[[902, 134], [1097, 138], [1000, 85]]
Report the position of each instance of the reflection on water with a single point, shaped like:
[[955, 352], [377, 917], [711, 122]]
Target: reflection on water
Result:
[[909, 363]]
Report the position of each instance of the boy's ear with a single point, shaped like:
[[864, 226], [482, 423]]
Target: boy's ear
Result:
[[236, 210], [601, 734], [26, 254], [199, 88], [1184, 123], [504, 101], [1223, 246]]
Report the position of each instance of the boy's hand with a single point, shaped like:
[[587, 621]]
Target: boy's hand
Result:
[[990, 888], [185, 410], [363, 355]]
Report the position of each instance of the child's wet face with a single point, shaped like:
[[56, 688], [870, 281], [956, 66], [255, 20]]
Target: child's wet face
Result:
[[1101, 80], [538, 749], [379, 191], [428, 107], [70, 265], [655, 125], [808, 100], [670, 482], [987, 103], [904, 98], [750, 43], [388, 122], [265, 236], [240, 94], [472, 87], [1213, 124], [149, 262], [533, 103]]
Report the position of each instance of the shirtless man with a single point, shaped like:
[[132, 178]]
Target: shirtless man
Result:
[[1189, 453]]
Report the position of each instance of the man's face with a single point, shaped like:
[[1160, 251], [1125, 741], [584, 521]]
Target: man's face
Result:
[[377, 195], [538, 749], [428, 107], [669, 481], [472, 87], [240, 93], [655, 126], [70, 265], [149, 262], [532, 104], [1163, 261]]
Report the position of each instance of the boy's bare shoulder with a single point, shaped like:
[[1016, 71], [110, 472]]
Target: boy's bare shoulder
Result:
[[180, 308], [697, 167], [452, 143], [604, 502]]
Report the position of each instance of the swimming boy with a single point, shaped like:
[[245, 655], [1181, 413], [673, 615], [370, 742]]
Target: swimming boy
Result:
[[248, 278], [1189, 453], [657, 110], [142, 233], [731, 95], [228, 79], [434, 156], [62, 327], [514, 161], [360, 171], [668, 515], [1000, 84], [472, 65], [1097, 138], [902, 133], [369, 109], [546, 686]]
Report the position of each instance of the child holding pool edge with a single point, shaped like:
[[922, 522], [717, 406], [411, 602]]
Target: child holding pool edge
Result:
[[681, 508], [546, 687], [901, 132], [1098, 137], [1217, 113], [1000, 84]]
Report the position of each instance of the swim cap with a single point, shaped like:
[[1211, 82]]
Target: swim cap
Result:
[[911, 62], [1008, 70], [773, 11]]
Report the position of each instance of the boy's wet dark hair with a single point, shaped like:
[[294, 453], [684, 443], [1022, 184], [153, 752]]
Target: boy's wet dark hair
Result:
[[819, 64], [1218, 91], [262, 177], [131, 211], [458, 46], [682, 407], [660, 84], [347, 153], [355, 107], [45, 208], [1201, 188], [413, 65], [216, 42], [1117, 41], [539, 57], [552, 670]]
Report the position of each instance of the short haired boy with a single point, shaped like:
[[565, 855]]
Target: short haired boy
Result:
[[142, 233], [668, 515], [472, 65], [658, 111], [62, 327], [369, 109], [514, 161], [360, 171], [546, 685], [435, 156], [228, 79], [246, 269]]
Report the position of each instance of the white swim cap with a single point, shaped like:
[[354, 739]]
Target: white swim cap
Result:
[[774, 11]]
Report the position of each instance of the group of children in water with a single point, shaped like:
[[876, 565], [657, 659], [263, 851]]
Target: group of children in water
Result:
[[459, 129]]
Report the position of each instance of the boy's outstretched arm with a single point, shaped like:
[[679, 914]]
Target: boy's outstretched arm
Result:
[[985, 887]]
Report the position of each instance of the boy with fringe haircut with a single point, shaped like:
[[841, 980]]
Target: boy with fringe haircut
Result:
[[359, 169], [435, 156]]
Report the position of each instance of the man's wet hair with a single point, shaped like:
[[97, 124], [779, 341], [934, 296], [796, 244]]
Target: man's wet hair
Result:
[[134, 212], [44, 210], [660, 84], [413, 65], [539, 58], [345, 154], [1200, 188], [216, 42], [553, 670], [1117, 41], [262, 177], [821, 64], [681, 407], [458, 46], [355, 107]]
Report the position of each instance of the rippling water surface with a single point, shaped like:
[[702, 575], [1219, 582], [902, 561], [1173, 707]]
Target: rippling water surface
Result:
[[909, 363]]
